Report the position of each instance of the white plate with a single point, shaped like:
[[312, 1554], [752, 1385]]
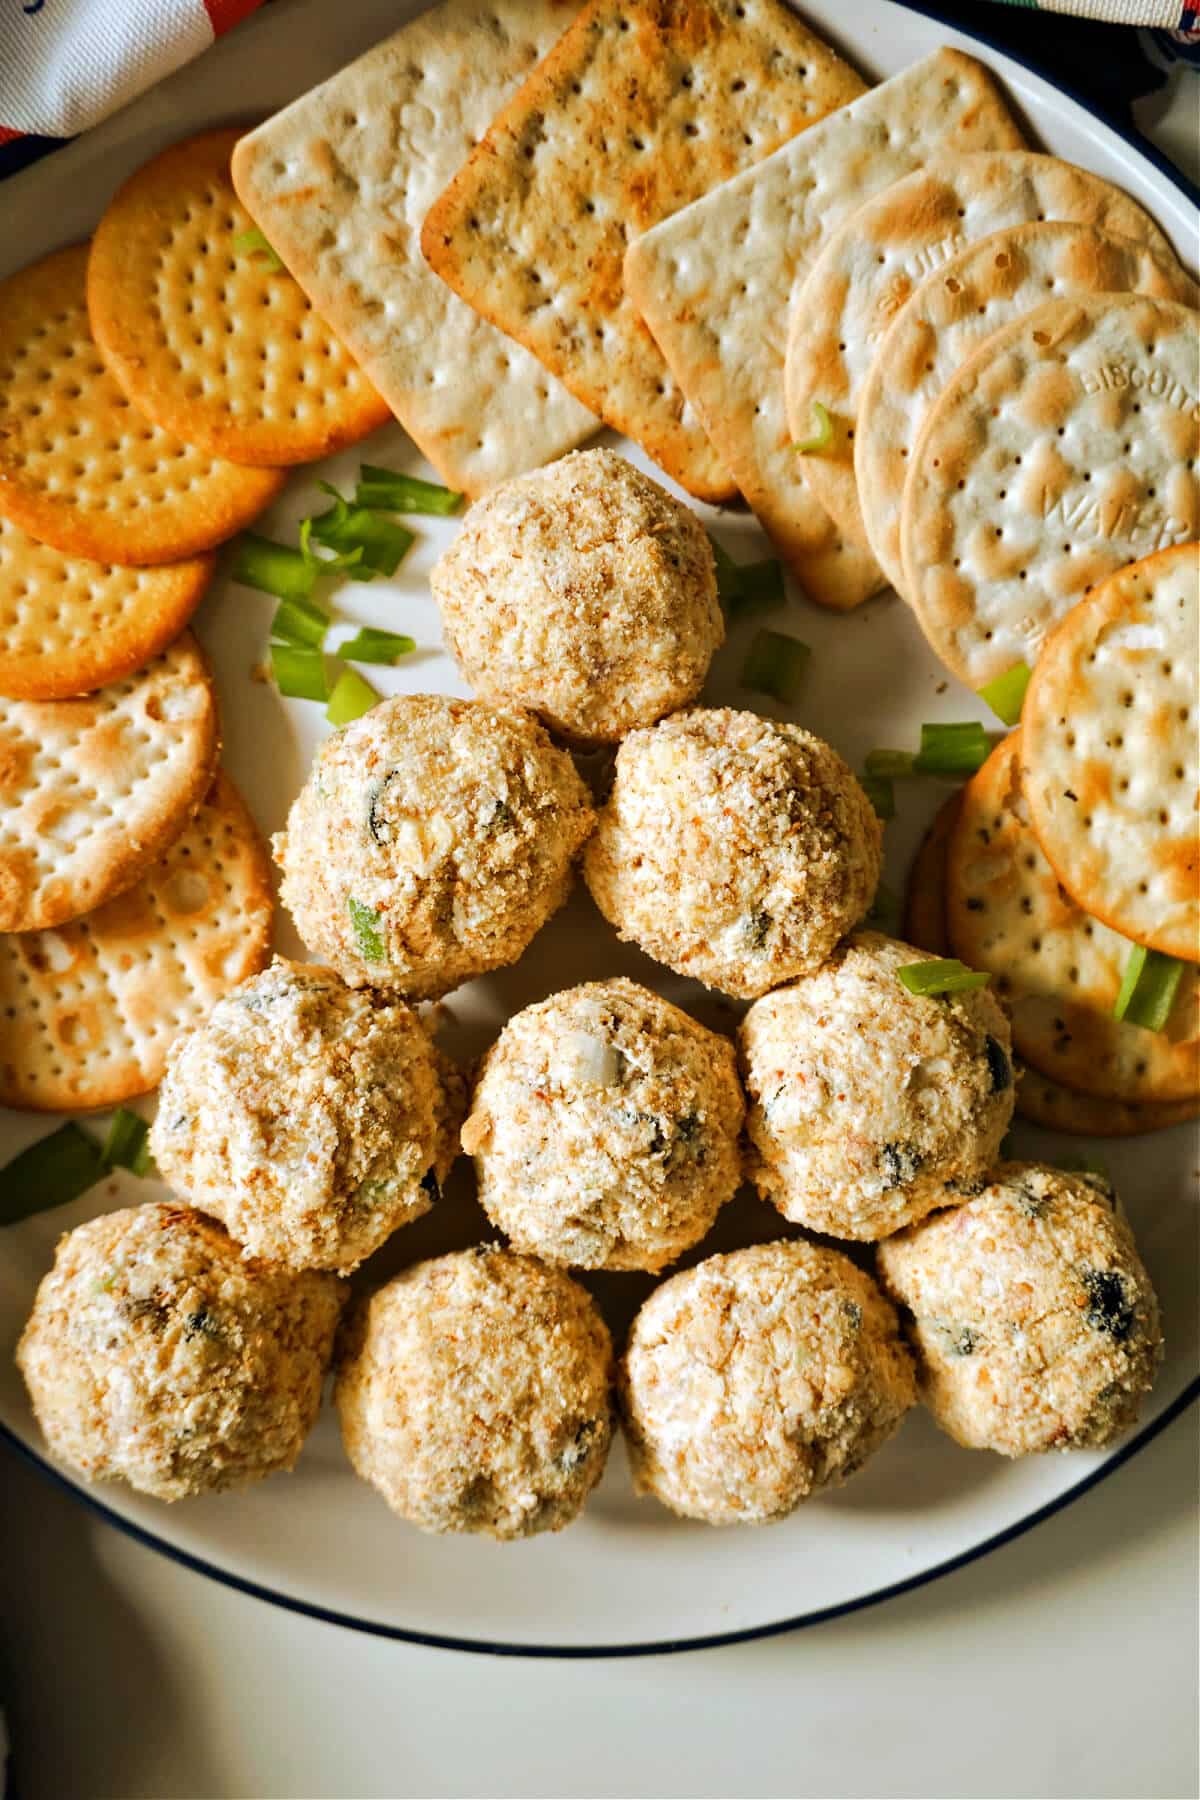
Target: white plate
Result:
[[628, 1576]]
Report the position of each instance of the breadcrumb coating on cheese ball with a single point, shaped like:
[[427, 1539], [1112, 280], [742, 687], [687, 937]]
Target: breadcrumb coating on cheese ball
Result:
[[584, 591], [871, 1106], [311, 1118], [432, 840], [158, 1355], [733, 848], [604, 1128], [759, 1377], [1033, 1319], [474, 1394]]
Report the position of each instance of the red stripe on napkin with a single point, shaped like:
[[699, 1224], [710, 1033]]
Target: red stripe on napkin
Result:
[[226, 13]]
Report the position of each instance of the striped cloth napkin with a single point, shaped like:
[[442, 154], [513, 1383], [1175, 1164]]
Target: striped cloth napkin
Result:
[[1157, 15]]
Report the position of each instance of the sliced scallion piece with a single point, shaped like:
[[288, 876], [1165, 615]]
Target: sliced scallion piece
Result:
[[380, 542], [299, 672], [1148, 987], [371, 646], [941, 975], [958, 749], [350, 699], [821, 441], [745, 588], [341, 564], [273, 568], [881, 793], [387, 491], [125, 1147], [52, 1172], [885, 911], [254, 243], [889, 763], [367, 929], [300, 622], [728, 572], [1006, 695], [775, 665]]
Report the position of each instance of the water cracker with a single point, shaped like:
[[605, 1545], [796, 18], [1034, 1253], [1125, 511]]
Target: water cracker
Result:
[[94, 790], [89, 1011], [1110, 759], [714, 284], [641, 107], [1064, 448], [213, 341], [340, 182], [1058, 970], [985, 286], [869, 267], [80, 468]]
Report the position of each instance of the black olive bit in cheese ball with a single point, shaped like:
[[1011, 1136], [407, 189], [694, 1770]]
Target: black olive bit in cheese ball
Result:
[[584, 591], [1033, 1320], [871, 1106], [311, 1118], [475, 1394], [432, 840], [157, 1353], [733, 848], [604, 1128]]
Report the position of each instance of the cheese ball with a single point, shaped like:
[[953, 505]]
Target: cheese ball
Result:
[[1033, 1320], [311, 1118], [432, 840], [604, 1128], [757, 1378], [734, 849], [474, 1394], [158, 1355], [584, 591], [870, 1106]]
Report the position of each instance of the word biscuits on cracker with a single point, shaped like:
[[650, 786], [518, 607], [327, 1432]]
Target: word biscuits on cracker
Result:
[[81, 469], [1065, 447], [641, 108], [1058, 970], [870, 266], [94, 790], [213, 340], [89, 1010], [340, 182], [715, 282], [985, 286], [1110, 763]]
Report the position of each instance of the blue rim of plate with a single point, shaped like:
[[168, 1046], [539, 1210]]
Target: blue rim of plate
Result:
[[776, 1628]]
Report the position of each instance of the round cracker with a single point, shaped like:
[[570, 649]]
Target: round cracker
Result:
[[68, 626], [872, 263], [211, 342], [1058, 971], [986, 286], [1110, 757], [1063, 449], [89, 1011], [94, 790], [80, 468]]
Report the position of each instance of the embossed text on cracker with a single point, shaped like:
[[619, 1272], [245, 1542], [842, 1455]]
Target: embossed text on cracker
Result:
[[1145, 522], [1157, 382]]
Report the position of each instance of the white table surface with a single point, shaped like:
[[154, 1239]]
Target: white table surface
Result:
[[1065, 1664]]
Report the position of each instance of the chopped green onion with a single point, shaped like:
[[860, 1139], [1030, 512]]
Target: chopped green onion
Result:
[[273, 568], [958, 749], [380, 543], [125, 1147], [299, 673], [366, 923], [941, 975], [350, 699], [821, 441], [386, 491], [728, 572], [371, 646], [52, 1172], [775, 665], [300, 622], [889, 763], [744, 588], [329, 565], [253, 243], [1006, 695], [1148, 988], [881, 794], [885, 910]]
